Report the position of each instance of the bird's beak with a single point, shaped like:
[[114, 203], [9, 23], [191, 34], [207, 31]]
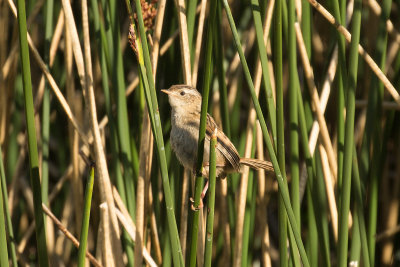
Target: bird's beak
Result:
[[166, 91]]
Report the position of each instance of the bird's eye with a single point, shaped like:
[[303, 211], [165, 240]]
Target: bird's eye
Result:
[[182, 93]]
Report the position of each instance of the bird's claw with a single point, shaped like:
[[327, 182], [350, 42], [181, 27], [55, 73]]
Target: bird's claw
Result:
[[198, 207]]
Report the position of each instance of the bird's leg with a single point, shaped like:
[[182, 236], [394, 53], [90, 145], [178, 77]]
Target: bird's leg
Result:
[[203, 193]]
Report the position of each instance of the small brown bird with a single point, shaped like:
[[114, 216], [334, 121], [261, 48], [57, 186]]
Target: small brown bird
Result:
[[185, 116]]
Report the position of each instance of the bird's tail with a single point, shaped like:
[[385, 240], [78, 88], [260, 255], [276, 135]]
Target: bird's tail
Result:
[[257, 164]]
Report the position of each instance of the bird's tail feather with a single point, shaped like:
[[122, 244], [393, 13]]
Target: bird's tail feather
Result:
[[257, 164]]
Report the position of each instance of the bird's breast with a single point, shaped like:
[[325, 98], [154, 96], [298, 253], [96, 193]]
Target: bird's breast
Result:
[[184, 143]]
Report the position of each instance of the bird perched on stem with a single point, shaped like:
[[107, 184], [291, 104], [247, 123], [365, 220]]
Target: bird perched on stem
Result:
[[185, 102]]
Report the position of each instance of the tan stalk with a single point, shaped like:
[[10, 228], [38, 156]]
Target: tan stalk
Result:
[[245, 176], [199, 39], [262, 201], [101, 163], [326, 87], [51, 81], [324, 134], [129, 225], [393, 204], [68, 234], [184, 42], [184, 211], [371, 63], [330, 193]]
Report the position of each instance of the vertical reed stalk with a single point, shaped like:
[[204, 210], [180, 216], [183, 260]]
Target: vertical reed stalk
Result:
[[293, 116], [154, 113], [86, 218], [202, 131], [3, 236], [283, 257], [255, 7], [342, 83], [46, 103], [122, 122], [315, 196], [279, 175], [191, 19], [4, 196], [293, 128], [219, 62], [374, 116], [360, 211], [211, 201], [349, 137], [32, 143]]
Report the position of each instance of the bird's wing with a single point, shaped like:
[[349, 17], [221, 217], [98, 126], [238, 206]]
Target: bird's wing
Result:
[[224, 145]]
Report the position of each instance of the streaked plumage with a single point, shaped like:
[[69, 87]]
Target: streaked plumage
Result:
[[186, 106]]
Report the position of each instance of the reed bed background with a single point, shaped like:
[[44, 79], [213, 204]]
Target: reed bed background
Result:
[[87, 171]]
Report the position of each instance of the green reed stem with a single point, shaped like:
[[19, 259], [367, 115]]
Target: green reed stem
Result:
[[293, 116], [122, 121], [342, 83], [349, 137], [219, 64], [317, 196], [279, 175], [3, 236], [293, 128], [283, 235], [152, 103], [86, 218], [355, 243], [115, 161], [360, 211], [10, 232], [312, 240], [262, 51], [32, 143], [211, 202], [46, 103], [202, 131], [374, 117]]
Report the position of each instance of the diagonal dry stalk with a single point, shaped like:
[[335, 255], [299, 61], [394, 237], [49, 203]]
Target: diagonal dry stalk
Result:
[[374, 5], [84, 67], [247, 154], [371, 63], [69, 235], [38, 99], [326, 88], [126, 220], [324, 133], [234, 72], [127, 223], [329, 190], [11, 55], [52, 82], [392, 52], [325, 93]]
